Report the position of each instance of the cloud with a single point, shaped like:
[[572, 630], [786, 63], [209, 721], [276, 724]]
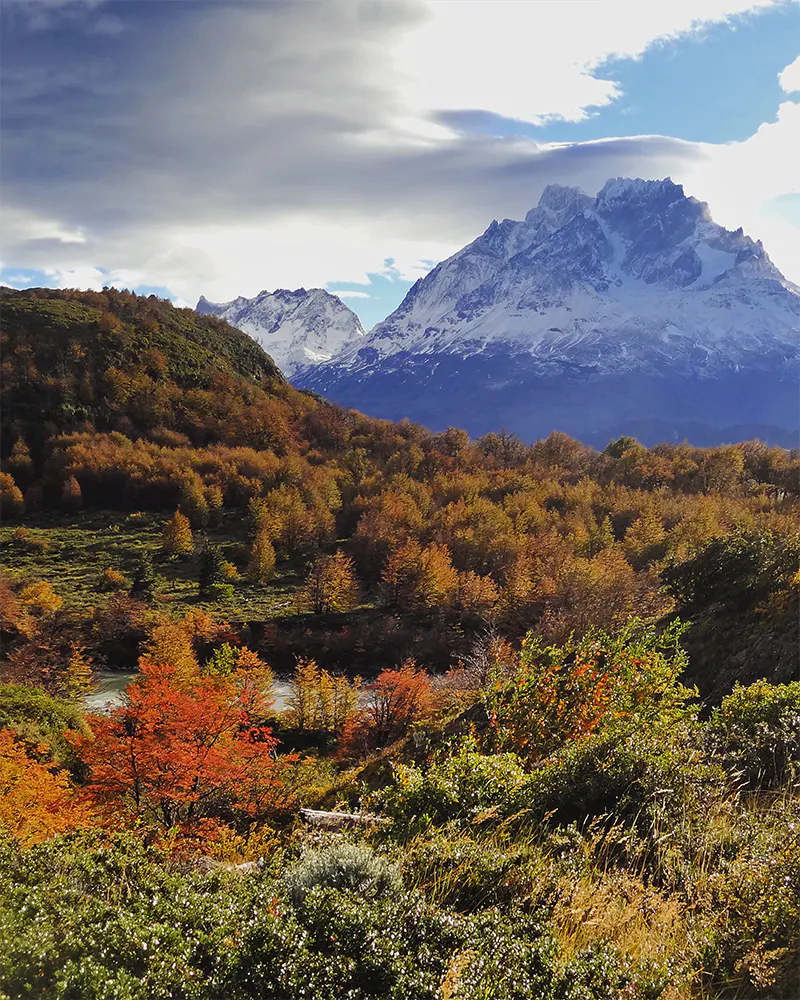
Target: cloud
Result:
[[223, 148], [789, 79], [348, 293]]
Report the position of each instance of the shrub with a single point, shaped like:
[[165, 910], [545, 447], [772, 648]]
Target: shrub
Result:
[[642, 777], [457, 787], [40, 719], [111, 579], [41, 597], [755, 733], [347, 867]]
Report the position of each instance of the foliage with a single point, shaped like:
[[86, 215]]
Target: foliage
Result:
[[755, 734], [262, 557], [320, 700], [738, 572], [40, 597], [177, 536], [41, 720], [564, 693], [347, 867], [394, 701], [459, 785], [331, 586], [176, 753], [145, 580], [212, 581], [36, 797]]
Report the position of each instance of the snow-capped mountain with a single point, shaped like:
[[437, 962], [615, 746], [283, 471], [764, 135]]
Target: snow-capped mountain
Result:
[[297, 328], [628, 312]]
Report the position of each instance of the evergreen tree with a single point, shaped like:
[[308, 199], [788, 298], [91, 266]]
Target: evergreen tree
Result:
[[144, 578], [212, 579]]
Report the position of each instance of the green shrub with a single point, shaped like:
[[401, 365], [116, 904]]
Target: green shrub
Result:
[[41, 719], [347, 867], [755, 734], [629, 776], [456, 787]]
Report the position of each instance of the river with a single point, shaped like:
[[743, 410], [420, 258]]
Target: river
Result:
[[110, 692]]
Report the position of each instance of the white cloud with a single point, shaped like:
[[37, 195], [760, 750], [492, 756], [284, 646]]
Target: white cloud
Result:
[[347, 293], [531, 61], [789, 79], [742, 181]]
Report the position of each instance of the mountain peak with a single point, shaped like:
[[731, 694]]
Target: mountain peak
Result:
[[298, 327], [560, 200], [623, 299], [636, 189]]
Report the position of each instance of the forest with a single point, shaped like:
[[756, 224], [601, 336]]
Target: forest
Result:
[[551, 693]]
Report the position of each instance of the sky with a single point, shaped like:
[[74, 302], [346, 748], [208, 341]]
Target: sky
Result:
[[218, 147]]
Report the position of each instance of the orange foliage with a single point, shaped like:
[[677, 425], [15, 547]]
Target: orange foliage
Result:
[[174, 754], [37, 800], [394, 702]]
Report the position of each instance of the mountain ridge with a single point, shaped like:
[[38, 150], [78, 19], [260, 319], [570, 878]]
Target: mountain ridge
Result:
[[635, 292]]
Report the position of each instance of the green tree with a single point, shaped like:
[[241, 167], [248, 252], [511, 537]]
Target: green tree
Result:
[[212, 579], [145, 580]]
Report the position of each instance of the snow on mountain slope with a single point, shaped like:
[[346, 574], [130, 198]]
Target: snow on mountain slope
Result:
[[638, 280], [297, 328]]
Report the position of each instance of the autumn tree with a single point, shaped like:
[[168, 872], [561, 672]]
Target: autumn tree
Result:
[[262, 557], [174, 754], [176, 538], [20, 464], [37, 800], [193, 501], [395, 700], [40, 597], [170, 645], [71, 496], [12, 503], [331, 585], [319, 700]]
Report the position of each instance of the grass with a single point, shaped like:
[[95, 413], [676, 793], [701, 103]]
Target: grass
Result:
[[71, 552]]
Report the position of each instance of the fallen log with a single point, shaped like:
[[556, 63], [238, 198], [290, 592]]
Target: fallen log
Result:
[[318, 817]]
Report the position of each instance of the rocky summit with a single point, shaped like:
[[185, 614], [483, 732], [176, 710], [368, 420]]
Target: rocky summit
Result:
[[297, 328], [631, 312]]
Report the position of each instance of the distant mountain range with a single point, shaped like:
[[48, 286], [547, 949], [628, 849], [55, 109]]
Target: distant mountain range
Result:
[[631, 312], [299, 328]]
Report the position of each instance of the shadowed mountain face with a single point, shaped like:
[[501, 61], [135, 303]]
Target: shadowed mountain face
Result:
[[628, 313]]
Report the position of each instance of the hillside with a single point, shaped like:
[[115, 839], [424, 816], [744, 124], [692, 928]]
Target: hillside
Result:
[[405, 714], [111, 358]]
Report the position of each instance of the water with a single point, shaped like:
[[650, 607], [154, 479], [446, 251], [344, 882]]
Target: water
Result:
[[110, 692]]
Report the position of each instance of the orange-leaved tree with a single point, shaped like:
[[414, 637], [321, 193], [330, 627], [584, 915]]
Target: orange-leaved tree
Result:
[[37, 800], [177, 752], [394, 701]]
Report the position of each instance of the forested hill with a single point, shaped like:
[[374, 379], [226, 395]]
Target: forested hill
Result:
[[116, 360]]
